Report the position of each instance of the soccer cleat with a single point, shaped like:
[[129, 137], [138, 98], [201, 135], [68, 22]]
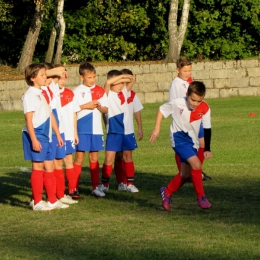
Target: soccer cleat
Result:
[[205, 177], [66, 199], [75, 195], [58, 205], [166, 200], [122, 187], [132, 188], [103, 188], [40, 206], [203, 203], [98, 192]]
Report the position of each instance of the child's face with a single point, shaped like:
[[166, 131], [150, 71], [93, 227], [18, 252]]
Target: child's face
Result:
[[40, 79], [61, 83], [48, 81], [117, 87], [194, 100], [184, 73], [89, 78]]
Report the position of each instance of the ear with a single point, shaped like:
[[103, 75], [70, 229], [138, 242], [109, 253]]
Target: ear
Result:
[[177, 70], [81, 77]]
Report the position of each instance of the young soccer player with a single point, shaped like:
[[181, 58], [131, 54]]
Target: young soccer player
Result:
[[37, 136], [178, 89], [92, 100], [187, 115], [124, 165], [120, 136]]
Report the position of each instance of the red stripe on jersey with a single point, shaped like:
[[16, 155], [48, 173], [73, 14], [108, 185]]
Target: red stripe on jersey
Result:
[[66, 97], [121, 97], [131, 98], [199, 111], [97, 93], [46, 96], [51, 93]]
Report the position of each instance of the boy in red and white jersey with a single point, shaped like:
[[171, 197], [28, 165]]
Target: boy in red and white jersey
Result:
[[92, 100]]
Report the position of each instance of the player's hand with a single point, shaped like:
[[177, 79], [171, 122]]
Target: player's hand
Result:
[[76, 139], [93, 104], [154, 135], [60, 141], [208, 154], [36, 145], [140, 134]]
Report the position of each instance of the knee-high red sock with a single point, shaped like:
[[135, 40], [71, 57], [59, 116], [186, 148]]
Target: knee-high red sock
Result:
[[178, 161], [72, 180], [106, 173], [49, 183], [197, 182], [119, 171], [37, 185], [77, 171], [176, 182], [94, 172], [201, 155], [60, 182], [129, 172]]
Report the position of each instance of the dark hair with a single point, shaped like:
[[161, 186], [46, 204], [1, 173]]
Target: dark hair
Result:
[[127, 71], [86, 66], [113, 73], [31, 71], [196, 87], [183, 61], [48, 65]]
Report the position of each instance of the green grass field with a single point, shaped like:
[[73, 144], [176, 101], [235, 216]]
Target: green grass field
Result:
[[134, 226]]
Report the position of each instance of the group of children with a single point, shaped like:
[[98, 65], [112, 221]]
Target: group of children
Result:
[[60, 122]]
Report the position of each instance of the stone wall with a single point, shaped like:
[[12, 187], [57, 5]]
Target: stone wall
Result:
[[222, 78]]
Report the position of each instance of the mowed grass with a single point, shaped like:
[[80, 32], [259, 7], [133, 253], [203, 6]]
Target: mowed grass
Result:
[[134, 226]]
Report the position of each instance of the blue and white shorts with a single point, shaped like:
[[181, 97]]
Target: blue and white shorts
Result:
[[118, 142]]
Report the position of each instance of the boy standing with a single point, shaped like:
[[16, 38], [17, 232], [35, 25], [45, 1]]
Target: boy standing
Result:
[[92, 100], [187, 115], [178, 89]]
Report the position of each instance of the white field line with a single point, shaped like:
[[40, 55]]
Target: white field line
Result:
[[21, 168]]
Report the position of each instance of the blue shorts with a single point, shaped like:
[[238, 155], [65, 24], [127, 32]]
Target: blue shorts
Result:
[[118, 143], [70, 147], [57, 152], [185, 151], [30, 154], [90, 143], [201, 132]]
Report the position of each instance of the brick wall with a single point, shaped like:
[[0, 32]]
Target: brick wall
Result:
[[222, 78]]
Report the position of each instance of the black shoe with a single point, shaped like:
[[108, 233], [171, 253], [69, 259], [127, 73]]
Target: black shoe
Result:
[[205, 177], [75, 195]]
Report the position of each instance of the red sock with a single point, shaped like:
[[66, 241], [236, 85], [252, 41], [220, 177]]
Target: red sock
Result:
[[60, 183], [119, 171], [201, 155], [49, 183], [37, 185], [77, 171], [94, 172], [129, 172], [197, 182], [72, 179], [106, 173], [178, 161], [174, 184]]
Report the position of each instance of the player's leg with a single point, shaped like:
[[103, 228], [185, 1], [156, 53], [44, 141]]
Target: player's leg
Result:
[[119, 171], [60, 179], [201, 157]]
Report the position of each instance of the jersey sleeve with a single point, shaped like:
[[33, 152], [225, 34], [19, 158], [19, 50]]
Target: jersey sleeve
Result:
[[29, 103], [166, 109], [137, 104], [206, 121]]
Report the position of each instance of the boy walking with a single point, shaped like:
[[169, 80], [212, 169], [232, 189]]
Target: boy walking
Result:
[[187, 115]]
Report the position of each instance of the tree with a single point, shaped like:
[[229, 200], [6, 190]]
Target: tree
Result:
[[32, 36], [176, 34]]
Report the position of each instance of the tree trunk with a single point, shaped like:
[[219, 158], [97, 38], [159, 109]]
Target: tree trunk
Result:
[[176, 36], [61, 21], [32, 36], [50, 51]]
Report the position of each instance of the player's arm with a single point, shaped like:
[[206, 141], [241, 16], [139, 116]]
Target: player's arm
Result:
[[157, 126], [90, 105], [207, 139], [76, 137], [138, 119], [58, 72], [36, 145], [56, 130]]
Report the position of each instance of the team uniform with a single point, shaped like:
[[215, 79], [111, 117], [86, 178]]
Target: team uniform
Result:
[[37, 101], [89, 122], [186, 125], [178, 88]]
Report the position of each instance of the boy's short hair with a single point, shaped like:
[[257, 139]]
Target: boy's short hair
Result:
[[196, 87], [86, 66], [183, 61], [31, 71], [113, 73], [127, 71]]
